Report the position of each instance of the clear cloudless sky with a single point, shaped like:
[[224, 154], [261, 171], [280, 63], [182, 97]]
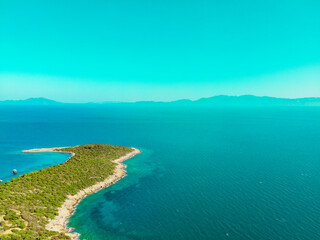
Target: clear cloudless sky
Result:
[[120, 50]]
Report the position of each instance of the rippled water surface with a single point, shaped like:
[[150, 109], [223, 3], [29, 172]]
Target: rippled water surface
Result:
[[205, 173]]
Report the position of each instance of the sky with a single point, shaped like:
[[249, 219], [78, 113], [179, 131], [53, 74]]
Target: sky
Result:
[[118, 50]]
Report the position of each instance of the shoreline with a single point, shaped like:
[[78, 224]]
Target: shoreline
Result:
[[67, 209]]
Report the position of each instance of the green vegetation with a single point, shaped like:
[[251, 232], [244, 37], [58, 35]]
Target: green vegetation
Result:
[[29, 201]]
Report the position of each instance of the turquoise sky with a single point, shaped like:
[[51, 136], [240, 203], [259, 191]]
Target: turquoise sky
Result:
[[79, 51]]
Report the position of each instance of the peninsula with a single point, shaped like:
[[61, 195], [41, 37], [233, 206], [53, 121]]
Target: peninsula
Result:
[[37, 205]]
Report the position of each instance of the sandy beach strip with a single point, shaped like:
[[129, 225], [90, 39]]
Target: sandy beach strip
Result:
[[59, 223]]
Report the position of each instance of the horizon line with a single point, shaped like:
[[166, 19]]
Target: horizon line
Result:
[[155, 101]]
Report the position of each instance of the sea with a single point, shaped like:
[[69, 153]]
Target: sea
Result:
[[242, 173]]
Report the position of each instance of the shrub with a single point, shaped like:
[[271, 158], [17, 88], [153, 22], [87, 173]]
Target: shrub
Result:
[[11, 215]]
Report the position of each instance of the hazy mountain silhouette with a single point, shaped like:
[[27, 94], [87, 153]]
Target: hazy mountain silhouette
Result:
[[222, 100], [31, 101], [258, 101]]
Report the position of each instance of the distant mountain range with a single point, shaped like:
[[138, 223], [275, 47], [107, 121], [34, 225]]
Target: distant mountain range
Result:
[[222, 100], [259, 101], [31, 101]]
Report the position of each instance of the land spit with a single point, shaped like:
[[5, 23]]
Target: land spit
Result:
[[59, 223]]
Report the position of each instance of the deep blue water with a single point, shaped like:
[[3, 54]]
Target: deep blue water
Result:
[[205, 173]]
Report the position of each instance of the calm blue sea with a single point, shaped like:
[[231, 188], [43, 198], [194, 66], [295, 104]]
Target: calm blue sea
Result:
[[205, 173]]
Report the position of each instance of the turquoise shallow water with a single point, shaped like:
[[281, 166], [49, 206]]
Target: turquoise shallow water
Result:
[[205, 173]]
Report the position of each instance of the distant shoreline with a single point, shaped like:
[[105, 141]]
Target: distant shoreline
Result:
[[59, 223], [218, 100]]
